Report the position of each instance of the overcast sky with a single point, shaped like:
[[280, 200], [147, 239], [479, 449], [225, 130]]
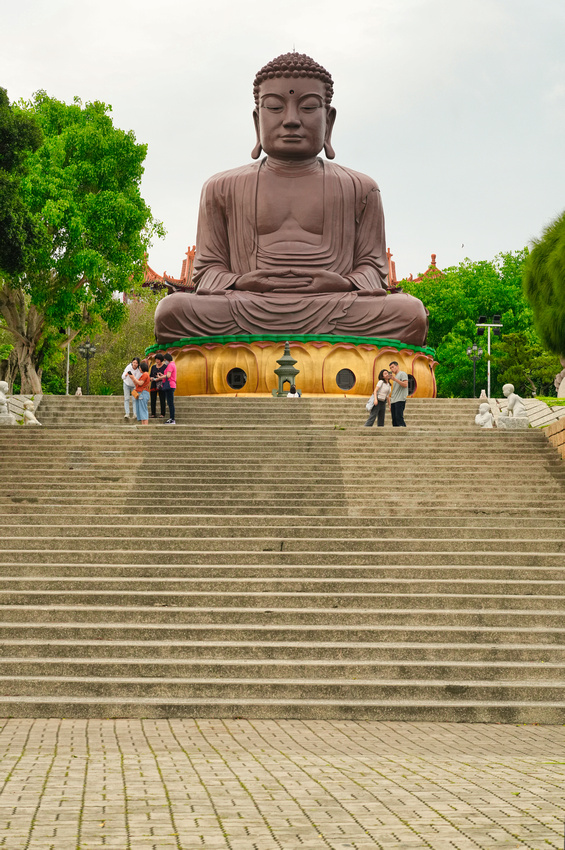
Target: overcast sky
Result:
[[455, 107]]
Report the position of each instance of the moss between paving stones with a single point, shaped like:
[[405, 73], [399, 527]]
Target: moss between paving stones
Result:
[[331, 338]]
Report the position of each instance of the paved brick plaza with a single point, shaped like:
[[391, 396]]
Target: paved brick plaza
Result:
[[257, 785]]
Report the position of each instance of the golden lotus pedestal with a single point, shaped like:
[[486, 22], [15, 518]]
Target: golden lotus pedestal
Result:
[[329, 365]]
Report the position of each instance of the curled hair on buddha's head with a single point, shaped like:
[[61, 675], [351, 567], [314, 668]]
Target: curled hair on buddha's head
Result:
[[293, 65]]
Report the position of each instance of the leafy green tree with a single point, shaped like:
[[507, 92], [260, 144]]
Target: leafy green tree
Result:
[[521, 360], [19, 134], [92, 229], [114, 350], [456, 300], [544, 285]]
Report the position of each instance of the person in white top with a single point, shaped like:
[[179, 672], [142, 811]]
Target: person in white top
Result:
[[131, 369], [381, 397], [293, 392]]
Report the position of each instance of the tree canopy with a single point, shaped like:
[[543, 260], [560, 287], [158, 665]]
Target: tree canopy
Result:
[[19, 134], [91, 229], [544, 285], [457, 299]]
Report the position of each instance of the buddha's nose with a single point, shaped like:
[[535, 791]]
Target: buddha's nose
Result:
[[291, 116]]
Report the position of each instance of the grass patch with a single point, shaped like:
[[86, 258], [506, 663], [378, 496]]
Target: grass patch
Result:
[[553, 402]]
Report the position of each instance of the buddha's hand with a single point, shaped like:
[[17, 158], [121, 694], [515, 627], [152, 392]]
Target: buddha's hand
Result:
[[321, 281], [371, 292], [256, 281]]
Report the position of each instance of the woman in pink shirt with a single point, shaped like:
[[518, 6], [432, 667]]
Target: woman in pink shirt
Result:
[[169, 385]]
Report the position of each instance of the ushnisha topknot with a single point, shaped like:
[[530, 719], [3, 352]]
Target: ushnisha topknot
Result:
[[293, 65]]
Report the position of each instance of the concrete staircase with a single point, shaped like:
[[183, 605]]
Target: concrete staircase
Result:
[[275, 559]]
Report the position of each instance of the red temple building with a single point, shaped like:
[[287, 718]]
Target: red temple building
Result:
[[431, 271], [173, 284]]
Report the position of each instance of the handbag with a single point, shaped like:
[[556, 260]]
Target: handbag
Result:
[[370, 404], [135, 393]]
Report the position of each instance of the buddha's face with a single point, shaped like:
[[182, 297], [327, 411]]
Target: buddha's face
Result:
[[293, 121]]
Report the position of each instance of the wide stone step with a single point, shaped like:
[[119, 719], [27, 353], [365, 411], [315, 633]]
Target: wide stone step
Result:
[[483, 654], [417, 586], [228, 431], [261, 616], [293, 689], [144, 556], [305, 505], [505, 534], [317, 481], [230, 545], [190, 600], [441, 710], [261, 572], [122, 508], [286, 668], [356, 526], [191, 448]]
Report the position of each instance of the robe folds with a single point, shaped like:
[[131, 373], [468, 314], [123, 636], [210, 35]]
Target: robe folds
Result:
[[352, 244]]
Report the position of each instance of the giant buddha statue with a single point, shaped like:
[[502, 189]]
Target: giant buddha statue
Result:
[[291, 243]]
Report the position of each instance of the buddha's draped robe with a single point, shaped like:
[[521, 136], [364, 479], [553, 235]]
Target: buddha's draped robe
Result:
[[352, 245]]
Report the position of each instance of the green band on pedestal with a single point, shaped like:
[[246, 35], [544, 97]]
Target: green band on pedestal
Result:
[[331, 338]]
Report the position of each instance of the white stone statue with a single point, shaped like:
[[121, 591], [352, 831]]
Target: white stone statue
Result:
[[484, 417], [483, 394], [515, 415], [29, 413], [6, 418], [4, 388]]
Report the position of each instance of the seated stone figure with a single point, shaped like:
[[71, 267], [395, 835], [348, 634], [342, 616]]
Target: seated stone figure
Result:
[[4, 398], [292, 243], [6, 418], [29, 413], [484, 417], [515, 416]]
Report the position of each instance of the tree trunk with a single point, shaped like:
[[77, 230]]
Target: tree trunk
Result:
[[9, 369], [30, 377], [25, 323]]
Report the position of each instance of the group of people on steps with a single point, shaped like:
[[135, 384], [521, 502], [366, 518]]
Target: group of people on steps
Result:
[[142, 384]]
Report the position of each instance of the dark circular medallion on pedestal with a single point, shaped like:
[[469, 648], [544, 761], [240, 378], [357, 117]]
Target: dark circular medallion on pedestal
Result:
[[345, 379], [236, 378]]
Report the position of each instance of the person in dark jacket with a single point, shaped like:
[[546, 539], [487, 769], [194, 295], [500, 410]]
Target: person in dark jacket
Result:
[[157, 388]]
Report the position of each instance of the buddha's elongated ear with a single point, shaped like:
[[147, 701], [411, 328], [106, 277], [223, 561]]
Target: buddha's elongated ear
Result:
[[328, 149], [257, 150]]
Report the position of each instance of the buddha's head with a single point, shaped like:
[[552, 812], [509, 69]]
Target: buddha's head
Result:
[[293, 114]]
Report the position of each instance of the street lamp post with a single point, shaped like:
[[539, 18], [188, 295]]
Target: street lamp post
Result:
[[87, 350], [475, 354], [496, 326]]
